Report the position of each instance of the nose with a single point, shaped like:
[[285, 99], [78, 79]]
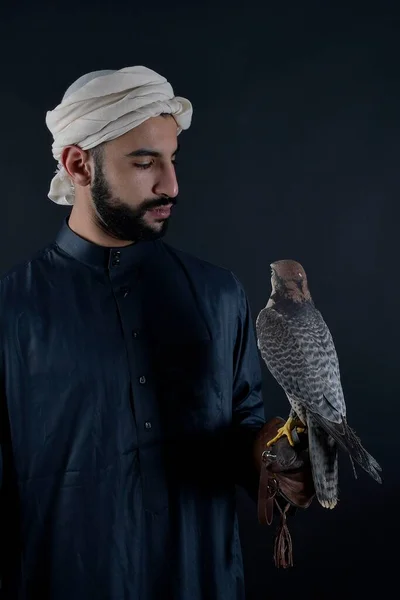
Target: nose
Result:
[[167, 184]]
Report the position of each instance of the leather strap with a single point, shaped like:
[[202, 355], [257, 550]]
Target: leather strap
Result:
[[267, 489]]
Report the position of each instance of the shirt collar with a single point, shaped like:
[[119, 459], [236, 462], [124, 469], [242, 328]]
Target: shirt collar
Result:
[[101, 256]]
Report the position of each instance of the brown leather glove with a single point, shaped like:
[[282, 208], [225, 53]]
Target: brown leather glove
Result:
[[285, 482]]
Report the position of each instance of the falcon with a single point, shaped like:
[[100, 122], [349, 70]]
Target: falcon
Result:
[[297, 347]]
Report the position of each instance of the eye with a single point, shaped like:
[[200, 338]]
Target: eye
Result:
[[143, 165]]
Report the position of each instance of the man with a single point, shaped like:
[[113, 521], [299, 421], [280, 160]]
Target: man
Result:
[[131, 387]]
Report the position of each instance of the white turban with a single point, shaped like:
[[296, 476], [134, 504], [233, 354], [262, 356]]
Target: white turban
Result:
[[102, 106]]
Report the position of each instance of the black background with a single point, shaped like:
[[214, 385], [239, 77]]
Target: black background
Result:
[[293, 153]]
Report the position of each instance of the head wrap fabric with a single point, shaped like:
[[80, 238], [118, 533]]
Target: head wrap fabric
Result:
[[103, 105]]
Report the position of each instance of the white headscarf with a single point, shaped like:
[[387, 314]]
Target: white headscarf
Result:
[[102, 106]]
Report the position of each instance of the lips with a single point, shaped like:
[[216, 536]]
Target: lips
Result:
[[161, 212]]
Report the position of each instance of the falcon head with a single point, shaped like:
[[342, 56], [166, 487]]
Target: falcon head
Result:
[[289, 279]]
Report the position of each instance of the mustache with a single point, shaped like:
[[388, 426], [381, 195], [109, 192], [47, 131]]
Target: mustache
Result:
[[158, 202]]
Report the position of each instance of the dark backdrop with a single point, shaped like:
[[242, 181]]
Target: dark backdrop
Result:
[[293, 152]]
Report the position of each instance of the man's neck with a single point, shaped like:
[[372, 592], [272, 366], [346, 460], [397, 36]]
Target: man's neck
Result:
[[83, 224]]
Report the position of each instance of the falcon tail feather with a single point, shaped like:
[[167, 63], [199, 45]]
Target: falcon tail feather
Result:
[[350, 442], [323, 451], [353, 466]]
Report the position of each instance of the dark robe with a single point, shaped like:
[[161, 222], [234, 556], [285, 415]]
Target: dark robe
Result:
[[130, 398]]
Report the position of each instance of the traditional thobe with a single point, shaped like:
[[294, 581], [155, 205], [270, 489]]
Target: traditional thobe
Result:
[[130, 400]]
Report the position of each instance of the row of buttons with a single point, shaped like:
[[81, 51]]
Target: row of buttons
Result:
[[125, 292]]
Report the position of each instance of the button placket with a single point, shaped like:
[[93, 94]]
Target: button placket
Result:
[[116, 258]]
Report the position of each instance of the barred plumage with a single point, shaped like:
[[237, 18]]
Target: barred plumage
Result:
[[298, 349]]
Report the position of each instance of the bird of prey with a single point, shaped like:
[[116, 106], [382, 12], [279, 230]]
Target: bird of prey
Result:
[[297, 347]]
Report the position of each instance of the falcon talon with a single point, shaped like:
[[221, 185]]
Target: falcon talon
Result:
[[285, 430]]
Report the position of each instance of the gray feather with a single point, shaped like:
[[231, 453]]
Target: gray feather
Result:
[[299, 351], [323, 452]]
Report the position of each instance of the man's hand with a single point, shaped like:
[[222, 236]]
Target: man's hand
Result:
[[285, 481]]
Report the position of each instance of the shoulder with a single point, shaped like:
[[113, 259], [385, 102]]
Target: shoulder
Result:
[[202, 271], [15, 279], [215, 287]]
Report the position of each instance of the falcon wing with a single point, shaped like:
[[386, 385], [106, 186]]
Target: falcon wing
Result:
[[300, 354]]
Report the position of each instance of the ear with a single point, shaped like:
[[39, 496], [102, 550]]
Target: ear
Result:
[[78, 164]]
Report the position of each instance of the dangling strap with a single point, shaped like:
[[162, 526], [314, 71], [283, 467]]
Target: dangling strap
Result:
[[283, 550]]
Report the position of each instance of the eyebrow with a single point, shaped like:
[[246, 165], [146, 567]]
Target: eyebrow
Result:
[[148, 152]]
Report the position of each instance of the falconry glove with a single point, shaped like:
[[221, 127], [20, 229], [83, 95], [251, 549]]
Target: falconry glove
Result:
[[285, 483]]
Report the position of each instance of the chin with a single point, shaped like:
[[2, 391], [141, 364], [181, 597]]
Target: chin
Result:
[[155, 230], [156, 225]]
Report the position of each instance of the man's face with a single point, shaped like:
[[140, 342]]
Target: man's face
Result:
[[134, 185]]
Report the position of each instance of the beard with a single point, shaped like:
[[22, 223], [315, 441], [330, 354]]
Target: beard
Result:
[[119, 220]]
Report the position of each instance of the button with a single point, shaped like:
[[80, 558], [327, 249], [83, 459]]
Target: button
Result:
[[142, 379], [125, 291], [147, 425], [135, 333], [116, 258]]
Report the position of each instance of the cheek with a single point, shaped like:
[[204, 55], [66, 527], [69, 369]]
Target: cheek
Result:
[[131, 185]]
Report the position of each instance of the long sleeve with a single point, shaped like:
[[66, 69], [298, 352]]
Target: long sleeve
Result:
[[248, 407]]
